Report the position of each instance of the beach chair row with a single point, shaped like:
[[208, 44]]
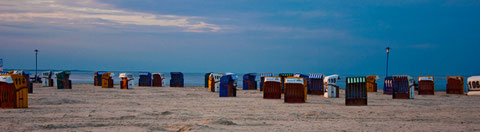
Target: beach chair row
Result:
[[296, 87], [146, 79], [16, 85]]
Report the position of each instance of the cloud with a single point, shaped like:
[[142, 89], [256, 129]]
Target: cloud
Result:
[[91, 12]]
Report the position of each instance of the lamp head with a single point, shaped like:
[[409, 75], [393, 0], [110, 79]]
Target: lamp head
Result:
[[388, 49], [36, 51]]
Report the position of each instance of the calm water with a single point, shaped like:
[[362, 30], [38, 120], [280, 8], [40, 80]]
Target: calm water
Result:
[[197, 79]]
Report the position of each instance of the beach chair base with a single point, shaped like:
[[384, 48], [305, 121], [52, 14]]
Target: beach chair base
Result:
[[401, 96], [473, 93], [355, 102]]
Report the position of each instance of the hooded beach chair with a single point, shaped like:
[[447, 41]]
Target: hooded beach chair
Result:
[[27, 77], [47, 80], [473, 83], [214, 82], [207, 77], [13, 91], [356, 91], [63, 80], [158, 80], [272, 88], [249, 82], [316, 84], [295, 90], [330, 86], [372, 83], [176, 79], [145, 79], [227, 86], [426, 85], [107, 80], [403, 87], [388, 85], [455, 85], [98, 78], [126, 81]]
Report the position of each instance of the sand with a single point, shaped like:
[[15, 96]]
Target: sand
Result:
[[89, 108]]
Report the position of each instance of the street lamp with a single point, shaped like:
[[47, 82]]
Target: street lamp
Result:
[[36, 52], [388, 51]]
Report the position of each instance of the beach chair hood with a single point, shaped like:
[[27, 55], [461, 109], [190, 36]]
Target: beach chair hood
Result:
[[6, 79]]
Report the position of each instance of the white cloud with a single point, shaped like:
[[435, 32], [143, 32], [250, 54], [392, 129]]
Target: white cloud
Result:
[[91, 12]]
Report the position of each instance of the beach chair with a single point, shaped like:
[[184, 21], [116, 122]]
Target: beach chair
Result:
[[455, 85], [126, 81], [388, 85], [145, 79], [107, 80], [227, 87], [262, 79], [27, 76], [426, 85], [63, 80], [176, 79], [13, 91], [372, 83], [47, 80], [214, 82], [473, 83], [356, 91], [316, 84], [403, 87], [207, 77], [98, 78], [249, 82], [158, 80], [331, 89], [272, 88], [295, 90]]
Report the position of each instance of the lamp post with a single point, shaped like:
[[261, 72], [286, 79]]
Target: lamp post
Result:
[[388, 51], [36, 52]]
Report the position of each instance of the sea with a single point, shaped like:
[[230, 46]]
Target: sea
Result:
[[198, 79]]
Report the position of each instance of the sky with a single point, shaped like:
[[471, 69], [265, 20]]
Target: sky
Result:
[[426, 37]]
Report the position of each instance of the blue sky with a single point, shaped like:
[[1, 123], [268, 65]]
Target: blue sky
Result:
[[319, 36]]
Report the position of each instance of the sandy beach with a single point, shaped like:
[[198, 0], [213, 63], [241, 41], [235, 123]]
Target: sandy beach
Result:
[[89, 108]]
